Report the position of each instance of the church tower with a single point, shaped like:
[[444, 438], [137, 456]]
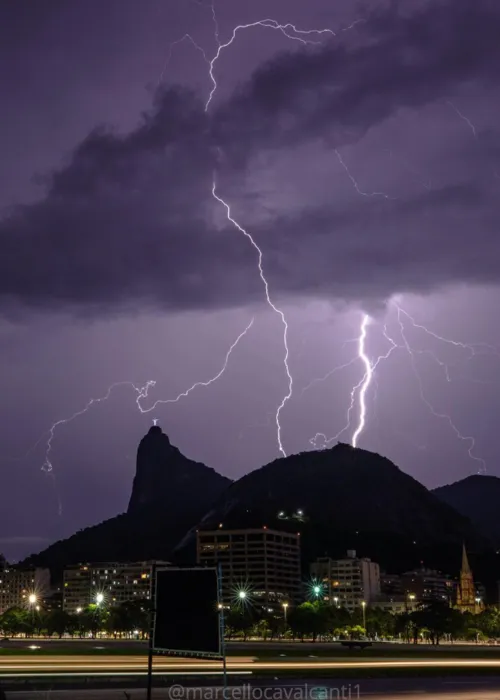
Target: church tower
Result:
[[466, 591]]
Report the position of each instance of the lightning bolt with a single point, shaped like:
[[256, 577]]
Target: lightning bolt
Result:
[[366, 379], [361, 388], [464, 118], [355, 182], [443, 416], [141, 393], [285, 29], [276, 310], [333, 371], [289, 30], [194, 386], [189, 38]]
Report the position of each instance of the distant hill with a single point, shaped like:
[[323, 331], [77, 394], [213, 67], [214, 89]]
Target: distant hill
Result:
[[350, 499], [170, 494], [478, 498]]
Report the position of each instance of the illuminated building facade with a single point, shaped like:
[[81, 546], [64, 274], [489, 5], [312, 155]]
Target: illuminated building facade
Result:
[[21, 588], [348, 582], [116, 582], [264, 562]]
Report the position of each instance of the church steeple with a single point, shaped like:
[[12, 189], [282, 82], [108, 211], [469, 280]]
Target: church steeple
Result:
[[465, 562], [466, 590]]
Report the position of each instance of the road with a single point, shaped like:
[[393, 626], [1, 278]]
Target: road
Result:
[[381, 689], [16, 666]]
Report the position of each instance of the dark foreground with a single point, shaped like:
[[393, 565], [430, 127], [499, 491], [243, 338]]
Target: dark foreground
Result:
[[310, 689]]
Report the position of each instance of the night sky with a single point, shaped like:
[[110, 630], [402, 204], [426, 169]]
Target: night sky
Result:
[[365, 163]]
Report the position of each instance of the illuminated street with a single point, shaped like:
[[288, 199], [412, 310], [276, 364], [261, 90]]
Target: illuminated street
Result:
[[116, 665]]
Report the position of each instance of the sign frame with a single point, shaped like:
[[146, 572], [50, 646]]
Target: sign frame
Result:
[[220, 654]]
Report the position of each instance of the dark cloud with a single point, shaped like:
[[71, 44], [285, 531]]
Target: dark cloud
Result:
[[129, 221]]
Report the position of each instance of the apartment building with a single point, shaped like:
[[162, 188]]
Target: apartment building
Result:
[[22, 587], [109, 584], [263, 562], [347, 582]]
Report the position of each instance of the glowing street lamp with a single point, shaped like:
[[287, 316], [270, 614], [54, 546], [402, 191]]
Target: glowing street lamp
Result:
[[336, 601], [316, 590], [242, 595], [78, 611], [32, 599], [363, 605], [285, 608], [99, 598]]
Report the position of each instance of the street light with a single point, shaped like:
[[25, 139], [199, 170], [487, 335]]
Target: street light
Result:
[[285, 607], [336, 601], [363, 605], [32, 599], [242, 595], [78, 611], [99, 598]]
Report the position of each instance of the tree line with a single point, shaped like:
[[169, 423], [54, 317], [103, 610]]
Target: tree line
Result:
[[319, 621], [130, 619], [311, 620]]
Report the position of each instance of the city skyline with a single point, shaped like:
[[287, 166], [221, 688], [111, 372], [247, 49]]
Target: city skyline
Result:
[[363, 165]]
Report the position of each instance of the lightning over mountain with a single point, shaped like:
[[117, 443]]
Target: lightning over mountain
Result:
[[276, 310], [359, 391], [141, 393]]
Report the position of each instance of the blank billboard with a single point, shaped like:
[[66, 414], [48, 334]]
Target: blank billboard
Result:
[[187, 614]]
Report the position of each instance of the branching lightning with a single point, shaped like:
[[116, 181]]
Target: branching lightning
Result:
[[355, 182], [291, 32], [141, 393], [189, 38], [303, 36], [285, 29], [194, 386], [359, 391], [443, 416], [273, 307], [333, 371]]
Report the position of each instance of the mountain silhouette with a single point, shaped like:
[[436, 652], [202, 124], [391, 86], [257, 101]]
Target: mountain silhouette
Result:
[[478, 498], [341, 498], [170, 493], [347, 498]]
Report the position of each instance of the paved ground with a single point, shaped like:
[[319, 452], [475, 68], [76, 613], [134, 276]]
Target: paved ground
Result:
[[253, 648], [116, 665], [382, 689]]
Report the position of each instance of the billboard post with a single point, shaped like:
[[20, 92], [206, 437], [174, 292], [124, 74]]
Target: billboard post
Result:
[[152, 600], [187, 615], [220, 606]]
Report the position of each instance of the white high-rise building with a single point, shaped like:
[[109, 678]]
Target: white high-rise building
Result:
[[348, 582]]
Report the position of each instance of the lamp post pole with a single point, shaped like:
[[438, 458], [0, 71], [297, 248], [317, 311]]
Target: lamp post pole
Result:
[[285, 607], [152, 600]]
